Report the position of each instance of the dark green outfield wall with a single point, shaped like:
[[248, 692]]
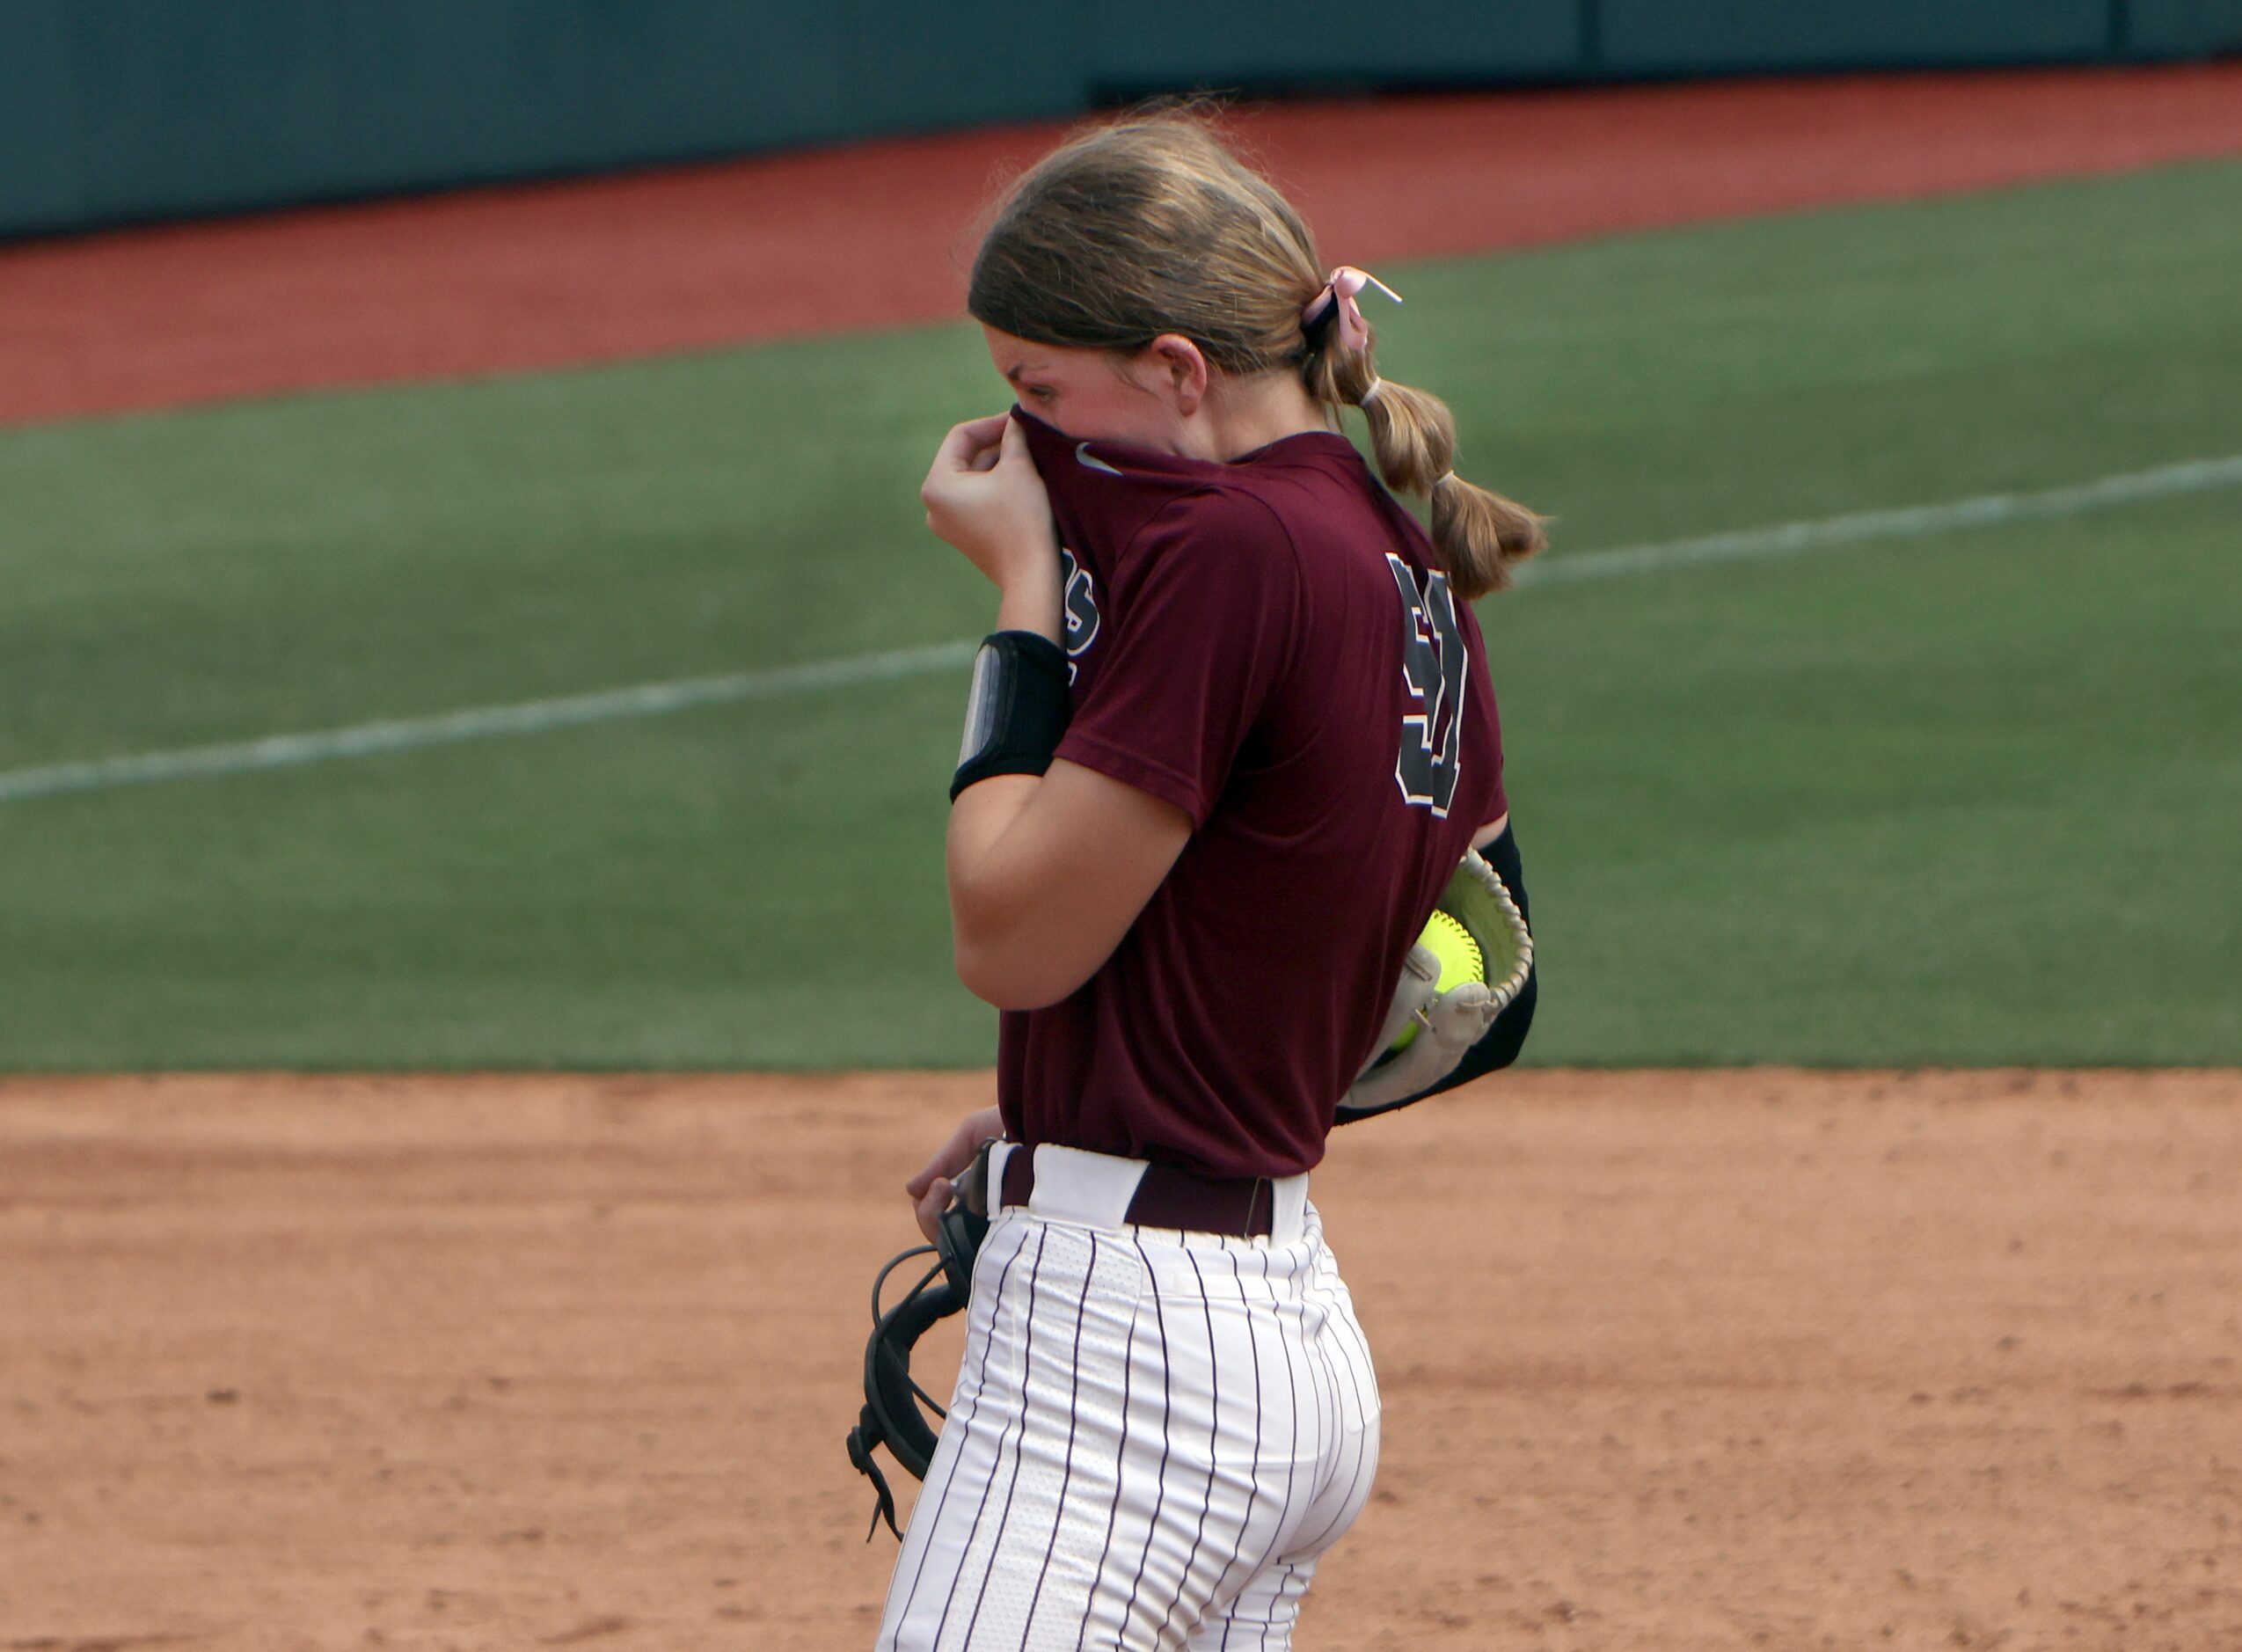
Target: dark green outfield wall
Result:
[[113, 111]]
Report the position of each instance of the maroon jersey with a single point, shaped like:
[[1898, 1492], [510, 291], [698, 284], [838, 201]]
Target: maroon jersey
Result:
[[1267, 646]]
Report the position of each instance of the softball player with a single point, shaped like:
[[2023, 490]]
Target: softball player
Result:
[[1232, 735]]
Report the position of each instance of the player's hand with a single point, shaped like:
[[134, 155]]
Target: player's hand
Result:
[[930, 1189], [983, 496]]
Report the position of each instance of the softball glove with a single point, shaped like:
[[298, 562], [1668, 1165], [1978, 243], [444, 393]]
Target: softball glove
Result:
[[1448, 1023]]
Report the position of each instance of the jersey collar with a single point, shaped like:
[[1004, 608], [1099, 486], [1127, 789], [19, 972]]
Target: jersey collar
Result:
[[1120, 459]]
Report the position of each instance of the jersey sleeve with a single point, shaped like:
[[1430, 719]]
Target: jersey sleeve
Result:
[[1207, 602]]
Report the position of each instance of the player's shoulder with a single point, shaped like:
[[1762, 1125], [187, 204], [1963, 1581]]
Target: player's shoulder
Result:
[[1217, 539], [1217, 515]]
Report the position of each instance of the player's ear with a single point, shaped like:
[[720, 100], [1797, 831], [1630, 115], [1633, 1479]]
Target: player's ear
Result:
[[1181, 370]]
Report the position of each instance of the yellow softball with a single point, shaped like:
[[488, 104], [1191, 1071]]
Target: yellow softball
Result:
[[1459, 960]]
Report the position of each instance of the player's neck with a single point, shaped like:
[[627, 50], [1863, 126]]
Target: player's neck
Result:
[[1242, 415]]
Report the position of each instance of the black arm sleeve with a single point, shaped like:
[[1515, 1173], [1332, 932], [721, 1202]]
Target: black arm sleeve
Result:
[[1503, 1040]]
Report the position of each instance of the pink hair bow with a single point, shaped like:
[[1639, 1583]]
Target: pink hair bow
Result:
[[1346, 281]]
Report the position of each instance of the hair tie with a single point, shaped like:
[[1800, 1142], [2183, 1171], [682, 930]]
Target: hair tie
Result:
[[1370, 392], [1445, 476], [1346, 281]]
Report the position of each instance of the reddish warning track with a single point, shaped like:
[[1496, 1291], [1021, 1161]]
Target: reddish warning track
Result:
[[874, 234]]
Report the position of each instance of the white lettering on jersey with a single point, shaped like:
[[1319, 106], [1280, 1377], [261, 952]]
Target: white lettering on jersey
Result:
[[1080, 604]]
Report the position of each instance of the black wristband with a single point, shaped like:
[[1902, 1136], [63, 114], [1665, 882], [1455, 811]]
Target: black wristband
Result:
[[1017, 711]]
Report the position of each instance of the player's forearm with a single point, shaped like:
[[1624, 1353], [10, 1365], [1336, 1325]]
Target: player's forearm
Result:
[[1031, 914], [993, 891], [985, 884], [1049, 862], [1047, 873], [1031, 602]]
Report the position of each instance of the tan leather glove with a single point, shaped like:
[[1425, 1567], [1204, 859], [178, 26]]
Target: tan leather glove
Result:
[[1449, 1023]]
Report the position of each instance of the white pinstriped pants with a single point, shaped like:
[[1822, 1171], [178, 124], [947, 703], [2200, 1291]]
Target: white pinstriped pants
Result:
[[1154, 1435]]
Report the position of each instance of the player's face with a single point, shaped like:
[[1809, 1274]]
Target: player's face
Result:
[[1091, 395]]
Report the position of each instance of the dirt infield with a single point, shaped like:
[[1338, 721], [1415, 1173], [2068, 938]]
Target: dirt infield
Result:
[[1670, 1361], [872, 234]]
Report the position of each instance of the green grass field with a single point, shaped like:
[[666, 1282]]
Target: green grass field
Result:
[[1972, 796]]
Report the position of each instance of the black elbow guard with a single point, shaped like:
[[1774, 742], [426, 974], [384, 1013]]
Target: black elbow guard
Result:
[[1017, 709]]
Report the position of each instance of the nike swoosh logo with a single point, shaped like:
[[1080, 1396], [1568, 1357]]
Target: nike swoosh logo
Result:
[[1082, 456]]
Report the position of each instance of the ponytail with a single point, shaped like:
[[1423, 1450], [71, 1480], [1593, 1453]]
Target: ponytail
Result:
[[1476, 533], [1150, 225]]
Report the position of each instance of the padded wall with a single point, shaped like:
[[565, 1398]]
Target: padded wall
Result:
[[116, 111]]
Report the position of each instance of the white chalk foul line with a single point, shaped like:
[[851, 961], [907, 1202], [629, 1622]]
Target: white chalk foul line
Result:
[[654, 699], [365, 739], [1986, 510]]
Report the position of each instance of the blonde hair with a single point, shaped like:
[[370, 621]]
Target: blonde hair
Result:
[[1151, 225]]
